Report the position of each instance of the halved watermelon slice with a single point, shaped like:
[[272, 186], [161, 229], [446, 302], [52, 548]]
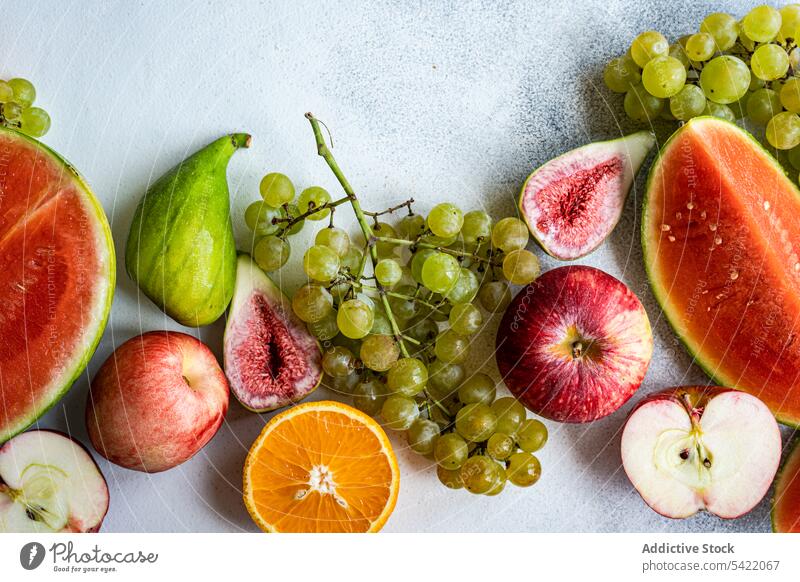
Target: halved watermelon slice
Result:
[[721, 241], [786, 497], [56, 279]]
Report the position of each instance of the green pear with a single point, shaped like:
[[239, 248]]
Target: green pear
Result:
[[180, 249]]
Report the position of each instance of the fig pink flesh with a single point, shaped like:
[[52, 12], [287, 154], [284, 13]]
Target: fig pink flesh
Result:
[[573, 202], [574, 345]]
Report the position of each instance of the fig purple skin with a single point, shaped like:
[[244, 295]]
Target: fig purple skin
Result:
[[573, 202], [271, 359]]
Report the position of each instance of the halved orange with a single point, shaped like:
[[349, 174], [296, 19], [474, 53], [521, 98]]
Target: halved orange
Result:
[[321, 467]]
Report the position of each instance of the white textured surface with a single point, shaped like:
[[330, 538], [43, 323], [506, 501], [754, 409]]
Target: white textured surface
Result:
[[436, 100]]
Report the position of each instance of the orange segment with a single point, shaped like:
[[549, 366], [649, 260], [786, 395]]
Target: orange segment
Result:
[[321, 467]]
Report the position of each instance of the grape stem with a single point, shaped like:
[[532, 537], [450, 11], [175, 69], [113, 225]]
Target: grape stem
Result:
[[325, 153], [424, 245], [406, 204]]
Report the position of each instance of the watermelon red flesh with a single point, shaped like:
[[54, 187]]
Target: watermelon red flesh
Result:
[[721, 240], [56, 279], [786, 499]]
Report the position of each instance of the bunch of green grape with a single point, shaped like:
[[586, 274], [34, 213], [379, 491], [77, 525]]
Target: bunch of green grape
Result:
[[276, 216], [396, 316], [17, 111], [729, 69]]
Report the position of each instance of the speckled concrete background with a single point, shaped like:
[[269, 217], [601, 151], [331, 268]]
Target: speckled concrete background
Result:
[[436, 100]]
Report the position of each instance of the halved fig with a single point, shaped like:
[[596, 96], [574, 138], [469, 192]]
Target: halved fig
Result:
[[573, 202], [271, 360]]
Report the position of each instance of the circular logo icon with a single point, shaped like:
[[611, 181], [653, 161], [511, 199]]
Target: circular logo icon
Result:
[[31, 555]]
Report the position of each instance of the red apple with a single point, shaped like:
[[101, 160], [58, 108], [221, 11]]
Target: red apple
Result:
[[157, 400], [50, 483], [692, 448], [574, 345]]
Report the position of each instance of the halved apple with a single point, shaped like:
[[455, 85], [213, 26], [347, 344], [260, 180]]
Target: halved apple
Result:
[[50, 483], [701, 448]]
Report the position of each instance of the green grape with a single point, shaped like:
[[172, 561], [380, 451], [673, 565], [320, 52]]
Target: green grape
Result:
[[477, 226], [465, 289], [407, 377], [271, 252], [386, 230], [700, 47], [648, 45], [725, 79], [445, 220], [510, 234], [443, 378], [418, 261], [411, 226], [352, 259], [402, 307], [355, 318], [794, 157], [521, 267], [6, 92], [783, 130], [424, 330], [338, 361], [523, 469], [510, 414], [35, 121], [789, 96], [723, 27], [24, 92], [259, 218], [12, 111], [721, 111], [380, 323], [422, 436], [388, 272], [321, 263], [440, 272], [663, 76], [450, 451], [344, 384], [476, 422], [311, 303], [479, 474], [353, 345], [677, 51], [500, 446], [790, 20], [448, 478], [326, 328], [640, 106], [500, 480], [399, 412], [314, 197], [369, 396], [465, 319], [480, 388], [748, 44], [276, 189], [621, 74], [689, 102], [769, 62], [763, 105], [335, 239], [756, 83], [762, 24], [379, 352], [292, 211], [531, 435], [451, 347], [495, 296]]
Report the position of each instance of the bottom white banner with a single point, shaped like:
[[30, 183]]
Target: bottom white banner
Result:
[[400, 556]]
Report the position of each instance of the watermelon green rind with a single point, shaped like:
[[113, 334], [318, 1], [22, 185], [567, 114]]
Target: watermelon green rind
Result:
[[639, 145], [790, 463], [79, 366], [717, 376]]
